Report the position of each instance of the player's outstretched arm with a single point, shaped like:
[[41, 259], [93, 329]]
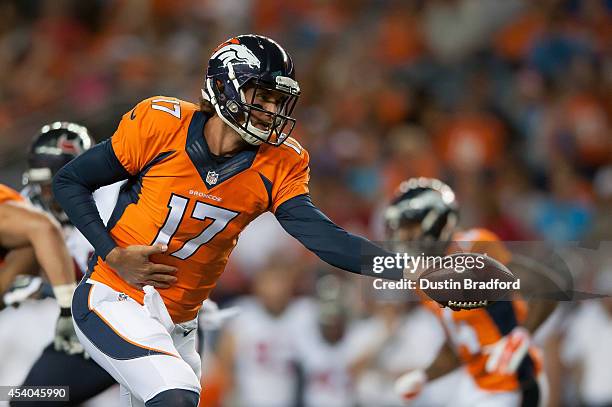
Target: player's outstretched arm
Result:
[[334, 245], [73, 187]]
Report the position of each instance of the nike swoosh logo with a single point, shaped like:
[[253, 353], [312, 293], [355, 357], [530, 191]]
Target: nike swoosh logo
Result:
[[187, 332], [133, 115]]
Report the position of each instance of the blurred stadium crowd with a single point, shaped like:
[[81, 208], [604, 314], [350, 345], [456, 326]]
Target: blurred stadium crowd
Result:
[[508, 101]]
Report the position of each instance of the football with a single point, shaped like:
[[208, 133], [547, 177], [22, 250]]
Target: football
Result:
[[467, 281]]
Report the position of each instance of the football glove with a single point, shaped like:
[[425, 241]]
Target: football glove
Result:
[[65, 337], [409, 385], [211, 317], [505, 355]]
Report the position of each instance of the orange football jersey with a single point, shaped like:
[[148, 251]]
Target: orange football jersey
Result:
[[471, 330], [178, 195]]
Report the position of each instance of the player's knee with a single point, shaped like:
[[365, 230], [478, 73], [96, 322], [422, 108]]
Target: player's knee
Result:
[[175, 398]]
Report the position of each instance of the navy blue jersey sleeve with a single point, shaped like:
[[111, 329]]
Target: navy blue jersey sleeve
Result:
[[74, 185], [334, 245]]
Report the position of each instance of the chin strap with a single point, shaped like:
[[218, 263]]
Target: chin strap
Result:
[[209, 95]]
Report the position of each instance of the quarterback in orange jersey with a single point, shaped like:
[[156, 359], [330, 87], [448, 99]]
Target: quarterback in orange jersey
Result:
[[196, 177], [28, 236], [493, 344]]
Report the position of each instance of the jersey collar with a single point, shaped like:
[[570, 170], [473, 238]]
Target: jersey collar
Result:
[[213, 174]]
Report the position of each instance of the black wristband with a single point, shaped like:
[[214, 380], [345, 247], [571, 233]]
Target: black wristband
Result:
[[65, 312]]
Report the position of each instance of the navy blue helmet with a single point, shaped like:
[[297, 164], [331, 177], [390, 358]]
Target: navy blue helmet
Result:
[[428, 202], [55, 145], [257, 61]]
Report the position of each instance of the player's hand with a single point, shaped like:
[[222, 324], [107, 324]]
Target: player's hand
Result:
[[65, 337], [133, 265], [409, 385], [506, 355], [211, 317]]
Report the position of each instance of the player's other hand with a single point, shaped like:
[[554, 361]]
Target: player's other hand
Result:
[[65, 339], [212, 318], [505, 355], [409, 385], [133, 265]]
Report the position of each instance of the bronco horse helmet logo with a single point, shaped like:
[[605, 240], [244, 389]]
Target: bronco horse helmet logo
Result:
[[232, 52]]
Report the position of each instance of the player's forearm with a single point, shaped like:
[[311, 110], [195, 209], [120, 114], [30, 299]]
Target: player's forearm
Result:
[[332, 244], [357, 367], [52, 254], [74, 185], [24, 226]]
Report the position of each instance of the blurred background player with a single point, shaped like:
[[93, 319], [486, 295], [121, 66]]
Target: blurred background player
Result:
[[55, 145], [255, 350], [325, 347], [397, 335], [493, 344], [585, 353]]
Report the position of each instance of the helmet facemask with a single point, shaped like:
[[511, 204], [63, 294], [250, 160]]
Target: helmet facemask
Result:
[[236, 111]]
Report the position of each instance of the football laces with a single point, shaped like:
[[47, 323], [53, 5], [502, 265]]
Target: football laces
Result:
[[467, 304]]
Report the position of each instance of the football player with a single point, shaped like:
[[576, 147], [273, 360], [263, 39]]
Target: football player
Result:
[[26, 234], [55, 145], [196, 177], [255, 350], [492, 344], [325, 347]]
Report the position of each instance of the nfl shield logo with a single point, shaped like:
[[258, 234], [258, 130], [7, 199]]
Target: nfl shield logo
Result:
[[212, 177]]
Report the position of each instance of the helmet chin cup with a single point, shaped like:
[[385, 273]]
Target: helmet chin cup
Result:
[[263, 134]]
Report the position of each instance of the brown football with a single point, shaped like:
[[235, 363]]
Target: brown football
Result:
[[467, 281]]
